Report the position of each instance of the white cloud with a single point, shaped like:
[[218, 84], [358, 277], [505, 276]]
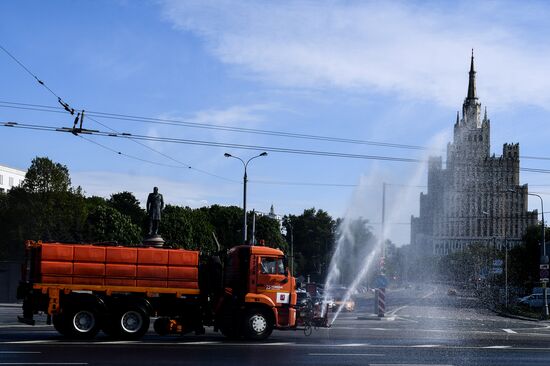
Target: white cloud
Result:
[[234, 115], [418, 51]]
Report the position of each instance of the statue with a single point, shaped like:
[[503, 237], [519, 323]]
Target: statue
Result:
[[155, 205]]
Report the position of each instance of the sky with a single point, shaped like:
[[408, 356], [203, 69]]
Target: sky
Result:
[[382, 71]]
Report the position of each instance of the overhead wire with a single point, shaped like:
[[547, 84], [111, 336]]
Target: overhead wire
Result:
[[67, 108], [52, 109], [238, 146], [184, 123]]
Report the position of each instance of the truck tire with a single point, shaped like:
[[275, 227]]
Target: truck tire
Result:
[[81, 322], [110, 327], [257, 324], [133, 323], [59, 322]]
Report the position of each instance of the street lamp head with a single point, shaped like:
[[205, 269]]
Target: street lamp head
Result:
[[263, 154], [227, 155]]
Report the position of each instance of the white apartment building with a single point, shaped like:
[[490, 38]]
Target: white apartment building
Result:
[[10, 177]]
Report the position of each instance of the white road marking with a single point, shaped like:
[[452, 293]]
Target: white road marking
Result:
[[347, 354], [17, 325], [43, 363], [29, 342], [353, 344], [118, 342], [498, 347], [510, 331], [425, 346], [10, 352], [404, 364]]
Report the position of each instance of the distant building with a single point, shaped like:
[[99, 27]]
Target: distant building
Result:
[[476, 197], [10, 177]]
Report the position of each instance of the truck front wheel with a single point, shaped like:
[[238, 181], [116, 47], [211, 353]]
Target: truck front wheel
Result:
[[257, 324], [60, 324], [81, 323]]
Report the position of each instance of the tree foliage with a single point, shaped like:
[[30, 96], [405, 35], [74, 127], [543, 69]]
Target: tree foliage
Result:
[[127, 204], [105, 224], [313, 236], [45, 176]]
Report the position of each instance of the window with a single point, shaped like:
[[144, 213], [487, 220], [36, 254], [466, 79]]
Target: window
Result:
[[272, 266], [11, 181], [1, 179]]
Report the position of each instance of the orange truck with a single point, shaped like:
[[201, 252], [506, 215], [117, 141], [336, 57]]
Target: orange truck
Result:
[[85, 289]]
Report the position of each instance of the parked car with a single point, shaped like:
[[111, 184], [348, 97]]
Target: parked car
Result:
[[534, 300]]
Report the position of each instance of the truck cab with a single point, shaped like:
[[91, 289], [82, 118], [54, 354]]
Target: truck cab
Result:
[[258, 282]]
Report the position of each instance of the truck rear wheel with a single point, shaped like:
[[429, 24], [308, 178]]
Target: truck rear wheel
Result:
[[257, 324], [133, 323]]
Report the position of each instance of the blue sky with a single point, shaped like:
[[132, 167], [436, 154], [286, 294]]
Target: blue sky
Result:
[[379, 71]]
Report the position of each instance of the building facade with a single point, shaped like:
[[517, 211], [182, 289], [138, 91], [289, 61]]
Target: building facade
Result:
[[475, 197], [10, 177]]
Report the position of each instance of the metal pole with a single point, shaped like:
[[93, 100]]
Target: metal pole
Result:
[[253, 241], [245, 180], [245, 228], [291, 250], [506, 271], [544, 259], [382, 236]]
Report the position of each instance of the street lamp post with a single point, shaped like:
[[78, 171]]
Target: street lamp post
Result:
[[245, 180], [544, 259]]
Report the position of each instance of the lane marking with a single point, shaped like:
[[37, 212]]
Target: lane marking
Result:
[[510, 331], [405, 364], [498, 347], [29, 342], [43, 363], [353, 344], [425, 346], [24, 326], [9, 352], [347, 354]]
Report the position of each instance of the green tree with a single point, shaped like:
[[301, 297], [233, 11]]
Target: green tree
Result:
[[524, 259], [48, 216], [227, 222], [46, 176], [269, 231], [127, 204], [186, 228], [105, 224], [313, 242]]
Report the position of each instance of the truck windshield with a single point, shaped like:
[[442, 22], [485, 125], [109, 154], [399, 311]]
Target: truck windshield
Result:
[[272, 266]]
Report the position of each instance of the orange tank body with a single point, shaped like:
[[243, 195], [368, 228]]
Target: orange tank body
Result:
[[118, 266]]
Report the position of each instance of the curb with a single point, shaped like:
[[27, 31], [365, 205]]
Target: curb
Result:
[[519, 317]]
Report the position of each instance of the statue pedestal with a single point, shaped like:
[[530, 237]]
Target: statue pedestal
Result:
[[153, 241]]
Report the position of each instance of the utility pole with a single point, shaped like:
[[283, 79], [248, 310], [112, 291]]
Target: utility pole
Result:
[[245, 180], [544, 258], [253, 242], [383, 234]]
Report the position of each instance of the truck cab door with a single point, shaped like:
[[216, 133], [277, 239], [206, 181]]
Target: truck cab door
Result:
[[272, 279]]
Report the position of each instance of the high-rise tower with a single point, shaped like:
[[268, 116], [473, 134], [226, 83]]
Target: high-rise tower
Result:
[[476, 197]]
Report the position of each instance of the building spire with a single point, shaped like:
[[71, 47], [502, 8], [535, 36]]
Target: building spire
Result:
[[472, 82]]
